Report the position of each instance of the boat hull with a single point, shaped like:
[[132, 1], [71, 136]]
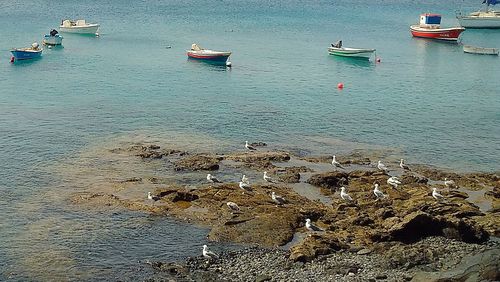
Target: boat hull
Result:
[[479, 22], [220, 58], [26, 55], [448, 34], [353, 53], [88, 29], [480, 50], [52, 40]]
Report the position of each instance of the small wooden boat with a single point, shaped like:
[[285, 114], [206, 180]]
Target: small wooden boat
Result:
[[32, 52], [430, 27], [53, 38], [79, 26], [351, 52], [199, 53], [480, 50]]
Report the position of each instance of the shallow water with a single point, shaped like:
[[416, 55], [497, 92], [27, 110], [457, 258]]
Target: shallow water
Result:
[[426, 101]]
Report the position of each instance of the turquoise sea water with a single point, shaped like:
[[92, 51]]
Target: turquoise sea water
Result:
[[427, 99]]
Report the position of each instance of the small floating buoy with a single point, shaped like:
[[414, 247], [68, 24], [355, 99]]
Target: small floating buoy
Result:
[[228, 64], [49, 47], [97, 34], [168, 47], [378, 60], [340, 85], [12, 59]]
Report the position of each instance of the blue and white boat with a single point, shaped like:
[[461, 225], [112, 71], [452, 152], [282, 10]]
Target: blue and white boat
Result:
[[53, 38], [32, 52]]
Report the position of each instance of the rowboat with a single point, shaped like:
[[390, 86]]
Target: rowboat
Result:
[[32, 52], [430, 27], [362, 53], [199, 53], [79, 26], [481, 19], [480, 50], [53, 38]]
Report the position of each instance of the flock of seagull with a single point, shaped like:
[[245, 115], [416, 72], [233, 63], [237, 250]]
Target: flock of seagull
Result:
[[244, 184]]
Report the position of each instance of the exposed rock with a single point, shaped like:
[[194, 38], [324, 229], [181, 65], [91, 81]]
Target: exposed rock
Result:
[[290, 174], [313, 246], [329, 180], [259, 160], [198, 162], [262, 278]]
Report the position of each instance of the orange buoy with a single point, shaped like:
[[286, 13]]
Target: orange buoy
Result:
[[340, 85], [12, 59]]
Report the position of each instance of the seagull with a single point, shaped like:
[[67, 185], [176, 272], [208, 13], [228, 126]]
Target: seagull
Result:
[[208, 254], [449, 183], [212, 179], [312, 227], [344, 195], [381, 166], [249, 147], [233, 206], [267, 177], [403, 166], [244, 179], [244, 186], [393, 181], [436, 195], [153, 197], [377, 192], [335, 163], [277, 199]]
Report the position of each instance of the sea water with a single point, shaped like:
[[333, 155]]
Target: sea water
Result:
[[426, 100]]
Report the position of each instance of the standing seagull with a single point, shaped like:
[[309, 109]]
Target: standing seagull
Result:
[[344, 195], [312, 227], [449, 183], [403, 165], [249, 147], [244, 179], [381, 166], [335, 163], [393, 181], [245, 186], [233, 206], [436, 195], [277, 199], [378, 193], [267, 177], [212, 179], [152, 197], [208, 254]]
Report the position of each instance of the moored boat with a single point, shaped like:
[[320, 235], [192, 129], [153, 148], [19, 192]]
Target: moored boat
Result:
[[53, 38], [199, 53], [430, 27], [480, 50], [338, 50], [488, 18], [79, 26], [32, 52]]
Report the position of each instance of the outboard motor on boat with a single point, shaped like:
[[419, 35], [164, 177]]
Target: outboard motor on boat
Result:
[[337, 44], [53, 32]]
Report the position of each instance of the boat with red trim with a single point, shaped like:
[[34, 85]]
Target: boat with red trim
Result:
[[199, 53], [32, 52], [430, 27]]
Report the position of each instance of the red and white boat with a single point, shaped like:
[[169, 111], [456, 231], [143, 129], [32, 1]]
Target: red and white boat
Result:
[[430, 27], [199, 53]]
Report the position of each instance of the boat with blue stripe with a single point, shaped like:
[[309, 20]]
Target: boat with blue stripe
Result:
[[28, 53]]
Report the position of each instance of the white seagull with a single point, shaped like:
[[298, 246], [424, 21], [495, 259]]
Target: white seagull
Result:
[[403, 165], [152, 197], [277, 199], [377, 192], [245, 186], [449, 183], [233, 206], [312, 227], [249, 147], [267, 177], [436, 195], [393, 181], [344, 195], [335, 163], [208, 254], [245, 179], [381, 166], [212, 179]]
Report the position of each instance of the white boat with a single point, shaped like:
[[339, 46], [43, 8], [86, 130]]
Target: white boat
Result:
[[488, 18], [351, 52], [79, 26], [480, 50], [53, 38]]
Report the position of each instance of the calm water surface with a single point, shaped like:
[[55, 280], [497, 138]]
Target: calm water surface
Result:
[[427, 100]]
